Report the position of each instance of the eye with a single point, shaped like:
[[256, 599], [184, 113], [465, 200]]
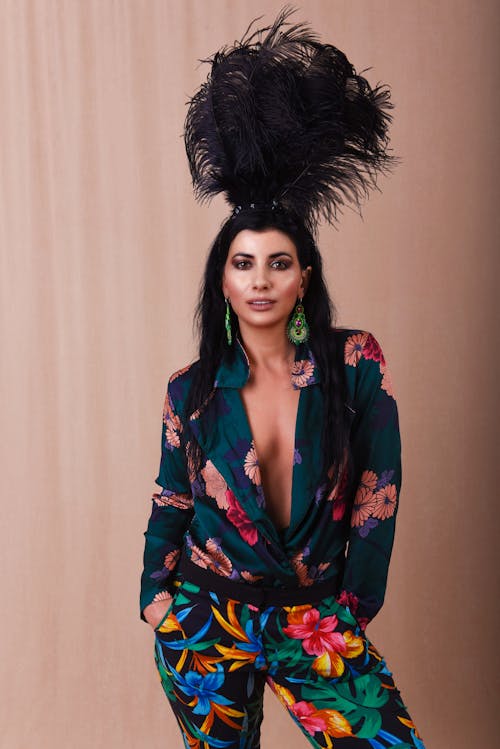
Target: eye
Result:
[[280, 264], [241, 264]]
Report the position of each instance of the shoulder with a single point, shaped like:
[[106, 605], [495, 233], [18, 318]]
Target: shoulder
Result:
[[359, 346], [179, 384]]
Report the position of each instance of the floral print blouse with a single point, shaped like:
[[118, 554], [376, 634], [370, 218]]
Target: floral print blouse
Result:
[[218, 516]]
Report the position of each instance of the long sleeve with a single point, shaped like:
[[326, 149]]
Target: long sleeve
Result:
[[171, 513], [376, 448]]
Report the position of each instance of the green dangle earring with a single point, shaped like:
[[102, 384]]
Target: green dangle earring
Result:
[[298, 329], [229, 334]]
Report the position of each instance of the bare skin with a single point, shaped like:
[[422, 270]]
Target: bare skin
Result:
[[271, 405], [259, 266]]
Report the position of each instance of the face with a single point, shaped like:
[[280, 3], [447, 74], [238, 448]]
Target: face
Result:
[[262, 278]]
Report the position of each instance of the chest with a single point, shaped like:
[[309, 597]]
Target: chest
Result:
[[272, 410]]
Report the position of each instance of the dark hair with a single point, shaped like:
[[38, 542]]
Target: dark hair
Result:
[[320, 314]]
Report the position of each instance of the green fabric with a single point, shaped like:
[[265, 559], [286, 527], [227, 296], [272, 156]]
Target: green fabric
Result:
[[219, 516]]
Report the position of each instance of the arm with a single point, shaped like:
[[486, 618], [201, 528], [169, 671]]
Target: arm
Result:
[[376, 449], [171, 513]]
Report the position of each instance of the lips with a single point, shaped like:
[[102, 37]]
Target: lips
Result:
[[261, 304]]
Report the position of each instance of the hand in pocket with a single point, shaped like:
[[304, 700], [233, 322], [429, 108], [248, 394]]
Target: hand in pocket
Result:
[[156, 612]]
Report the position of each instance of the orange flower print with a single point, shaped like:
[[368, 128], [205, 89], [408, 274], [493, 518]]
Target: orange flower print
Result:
[[336, 725], [183, 501], [309, 718], [246, 575], [282, 693], [302, 371], [215, 485], [355, 644], [387, 383], [180, 372], [199, 557], [163, 595], [302, 571], [173, 425], [173, 430], [196, 414], [218, 560], [327, 720], [329, 664], [410, 724], [170, 560], [369, 479], [190, 464], [362, 507], [251, 466], [354, 348], [385, 502]]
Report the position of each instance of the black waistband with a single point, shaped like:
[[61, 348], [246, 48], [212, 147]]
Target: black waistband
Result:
[[252, 593]]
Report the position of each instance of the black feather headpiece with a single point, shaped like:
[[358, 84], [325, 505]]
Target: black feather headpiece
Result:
[[285, 120]]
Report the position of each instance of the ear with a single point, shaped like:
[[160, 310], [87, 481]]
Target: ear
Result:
[[306, 277]]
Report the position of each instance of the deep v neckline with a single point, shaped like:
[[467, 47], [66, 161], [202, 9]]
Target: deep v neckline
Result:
[[281, 531]]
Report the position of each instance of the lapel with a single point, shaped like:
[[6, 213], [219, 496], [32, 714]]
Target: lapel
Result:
[[223, 432]]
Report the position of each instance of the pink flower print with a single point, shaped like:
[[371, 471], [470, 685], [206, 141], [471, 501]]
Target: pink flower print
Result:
[[310, 718], [317, 634], [372, 350], [251, 465], [362, 507], [339, 508], [215, 485], [302, 371], [337, 494], [385, 502], [238, 517], [354, 348], [347, 598]]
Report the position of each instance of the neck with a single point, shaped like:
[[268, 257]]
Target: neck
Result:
[[267, 347]]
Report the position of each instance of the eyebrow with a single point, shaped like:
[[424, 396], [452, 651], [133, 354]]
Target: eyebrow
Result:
[[275, 254]]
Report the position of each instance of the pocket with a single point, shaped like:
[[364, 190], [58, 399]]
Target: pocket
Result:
[[168, 611]]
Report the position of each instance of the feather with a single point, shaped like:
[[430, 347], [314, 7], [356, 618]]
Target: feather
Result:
[[285, 118]]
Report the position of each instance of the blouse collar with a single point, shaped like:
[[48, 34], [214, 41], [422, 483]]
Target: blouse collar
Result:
[[234, 369]]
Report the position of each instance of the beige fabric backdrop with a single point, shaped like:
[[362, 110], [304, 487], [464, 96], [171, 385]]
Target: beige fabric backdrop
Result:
[[102, 248]]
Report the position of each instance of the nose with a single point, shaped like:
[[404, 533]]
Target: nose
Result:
[[260, 278]]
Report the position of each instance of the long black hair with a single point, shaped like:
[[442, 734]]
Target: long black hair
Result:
[[320, 314]]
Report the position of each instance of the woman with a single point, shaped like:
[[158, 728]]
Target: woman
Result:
[[280, 443]]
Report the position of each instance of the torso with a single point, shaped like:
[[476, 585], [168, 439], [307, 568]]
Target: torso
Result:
[[271, 405]]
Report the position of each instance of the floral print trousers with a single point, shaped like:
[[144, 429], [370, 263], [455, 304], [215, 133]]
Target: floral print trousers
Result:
[[214, 655]]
